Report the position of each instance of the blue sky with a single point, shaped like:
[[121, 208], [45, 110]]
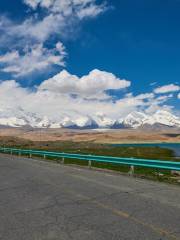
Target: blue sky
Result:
[[137, 41]]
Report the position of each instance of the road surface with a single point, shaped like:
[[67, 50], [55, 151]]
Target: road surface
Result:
[[47, 201]]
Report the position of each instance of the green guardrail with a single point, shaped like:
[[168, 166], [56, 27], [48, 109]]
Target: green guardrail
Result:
[[158, 164]]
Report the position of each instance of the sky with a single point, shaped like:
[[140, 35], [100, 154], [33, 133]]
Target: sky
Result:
[[63, 58]]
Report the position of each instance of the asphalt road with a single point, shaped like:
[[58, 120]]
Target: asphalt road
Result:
[[41, 200]]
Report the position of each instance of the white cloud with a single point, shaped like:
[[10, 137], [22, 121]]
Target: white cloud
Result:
[[34, 58], [58, 20], [167, 88], [33, 3], [155, 107], [55, 98], [78, 8], [178, 96], [91, 86], [145, 96], [33, 29], [9, 57], [164, 98], [61, 15], [158, 103], [57, 104], [91, 11]]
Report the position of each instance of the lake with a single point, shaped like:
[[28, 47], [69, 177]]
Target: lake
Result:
[[173, 146]]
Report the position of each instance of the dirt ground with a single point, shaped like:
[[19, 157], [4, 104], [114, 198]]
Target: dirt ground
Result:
[[96, 136]]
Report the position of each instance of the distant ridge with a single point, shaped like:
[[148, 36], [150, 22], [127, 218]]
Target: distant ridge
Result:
[[134, 120]]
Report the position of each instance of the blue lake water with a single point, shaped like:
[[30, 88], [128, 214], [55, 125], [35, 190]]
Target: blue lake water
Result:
[[173, 146]]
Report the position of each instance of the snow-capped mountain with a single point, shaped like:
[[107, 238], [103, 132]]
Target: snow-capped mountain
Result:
[[134, 120], [160, 118], [12, 122], [103, 121], [163, 118]]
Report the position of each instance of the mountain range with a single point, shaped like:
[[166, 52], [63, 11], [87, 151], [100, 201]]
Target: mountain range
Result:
[[135, 120]]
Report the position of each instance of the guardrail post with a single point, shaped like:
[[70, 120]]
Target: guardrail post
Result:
[[11, 151], [131, 171], [44, 156], [30, 155], [62, 160], [19, 153], [89, 164]]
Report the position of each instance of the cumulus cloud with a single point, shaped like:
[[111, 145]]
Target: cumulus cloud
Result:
[[167, 88], [57, 105], [178, 96], [91, 86], [24, 42], [69, 96]]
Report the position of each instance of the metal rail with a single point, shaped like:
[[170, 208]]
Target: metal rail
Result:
[[158, 164]]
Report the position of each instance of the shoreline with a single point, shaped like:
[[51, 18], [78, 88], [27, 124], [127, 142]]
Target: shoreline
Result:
[[137, 143]]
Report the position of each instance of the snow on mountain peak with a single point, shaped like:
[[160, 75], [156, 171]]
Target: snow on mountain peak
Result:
[[164, 118], [83, 122], [135, 119], [67, 122], [12, 122], [103, 121]]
